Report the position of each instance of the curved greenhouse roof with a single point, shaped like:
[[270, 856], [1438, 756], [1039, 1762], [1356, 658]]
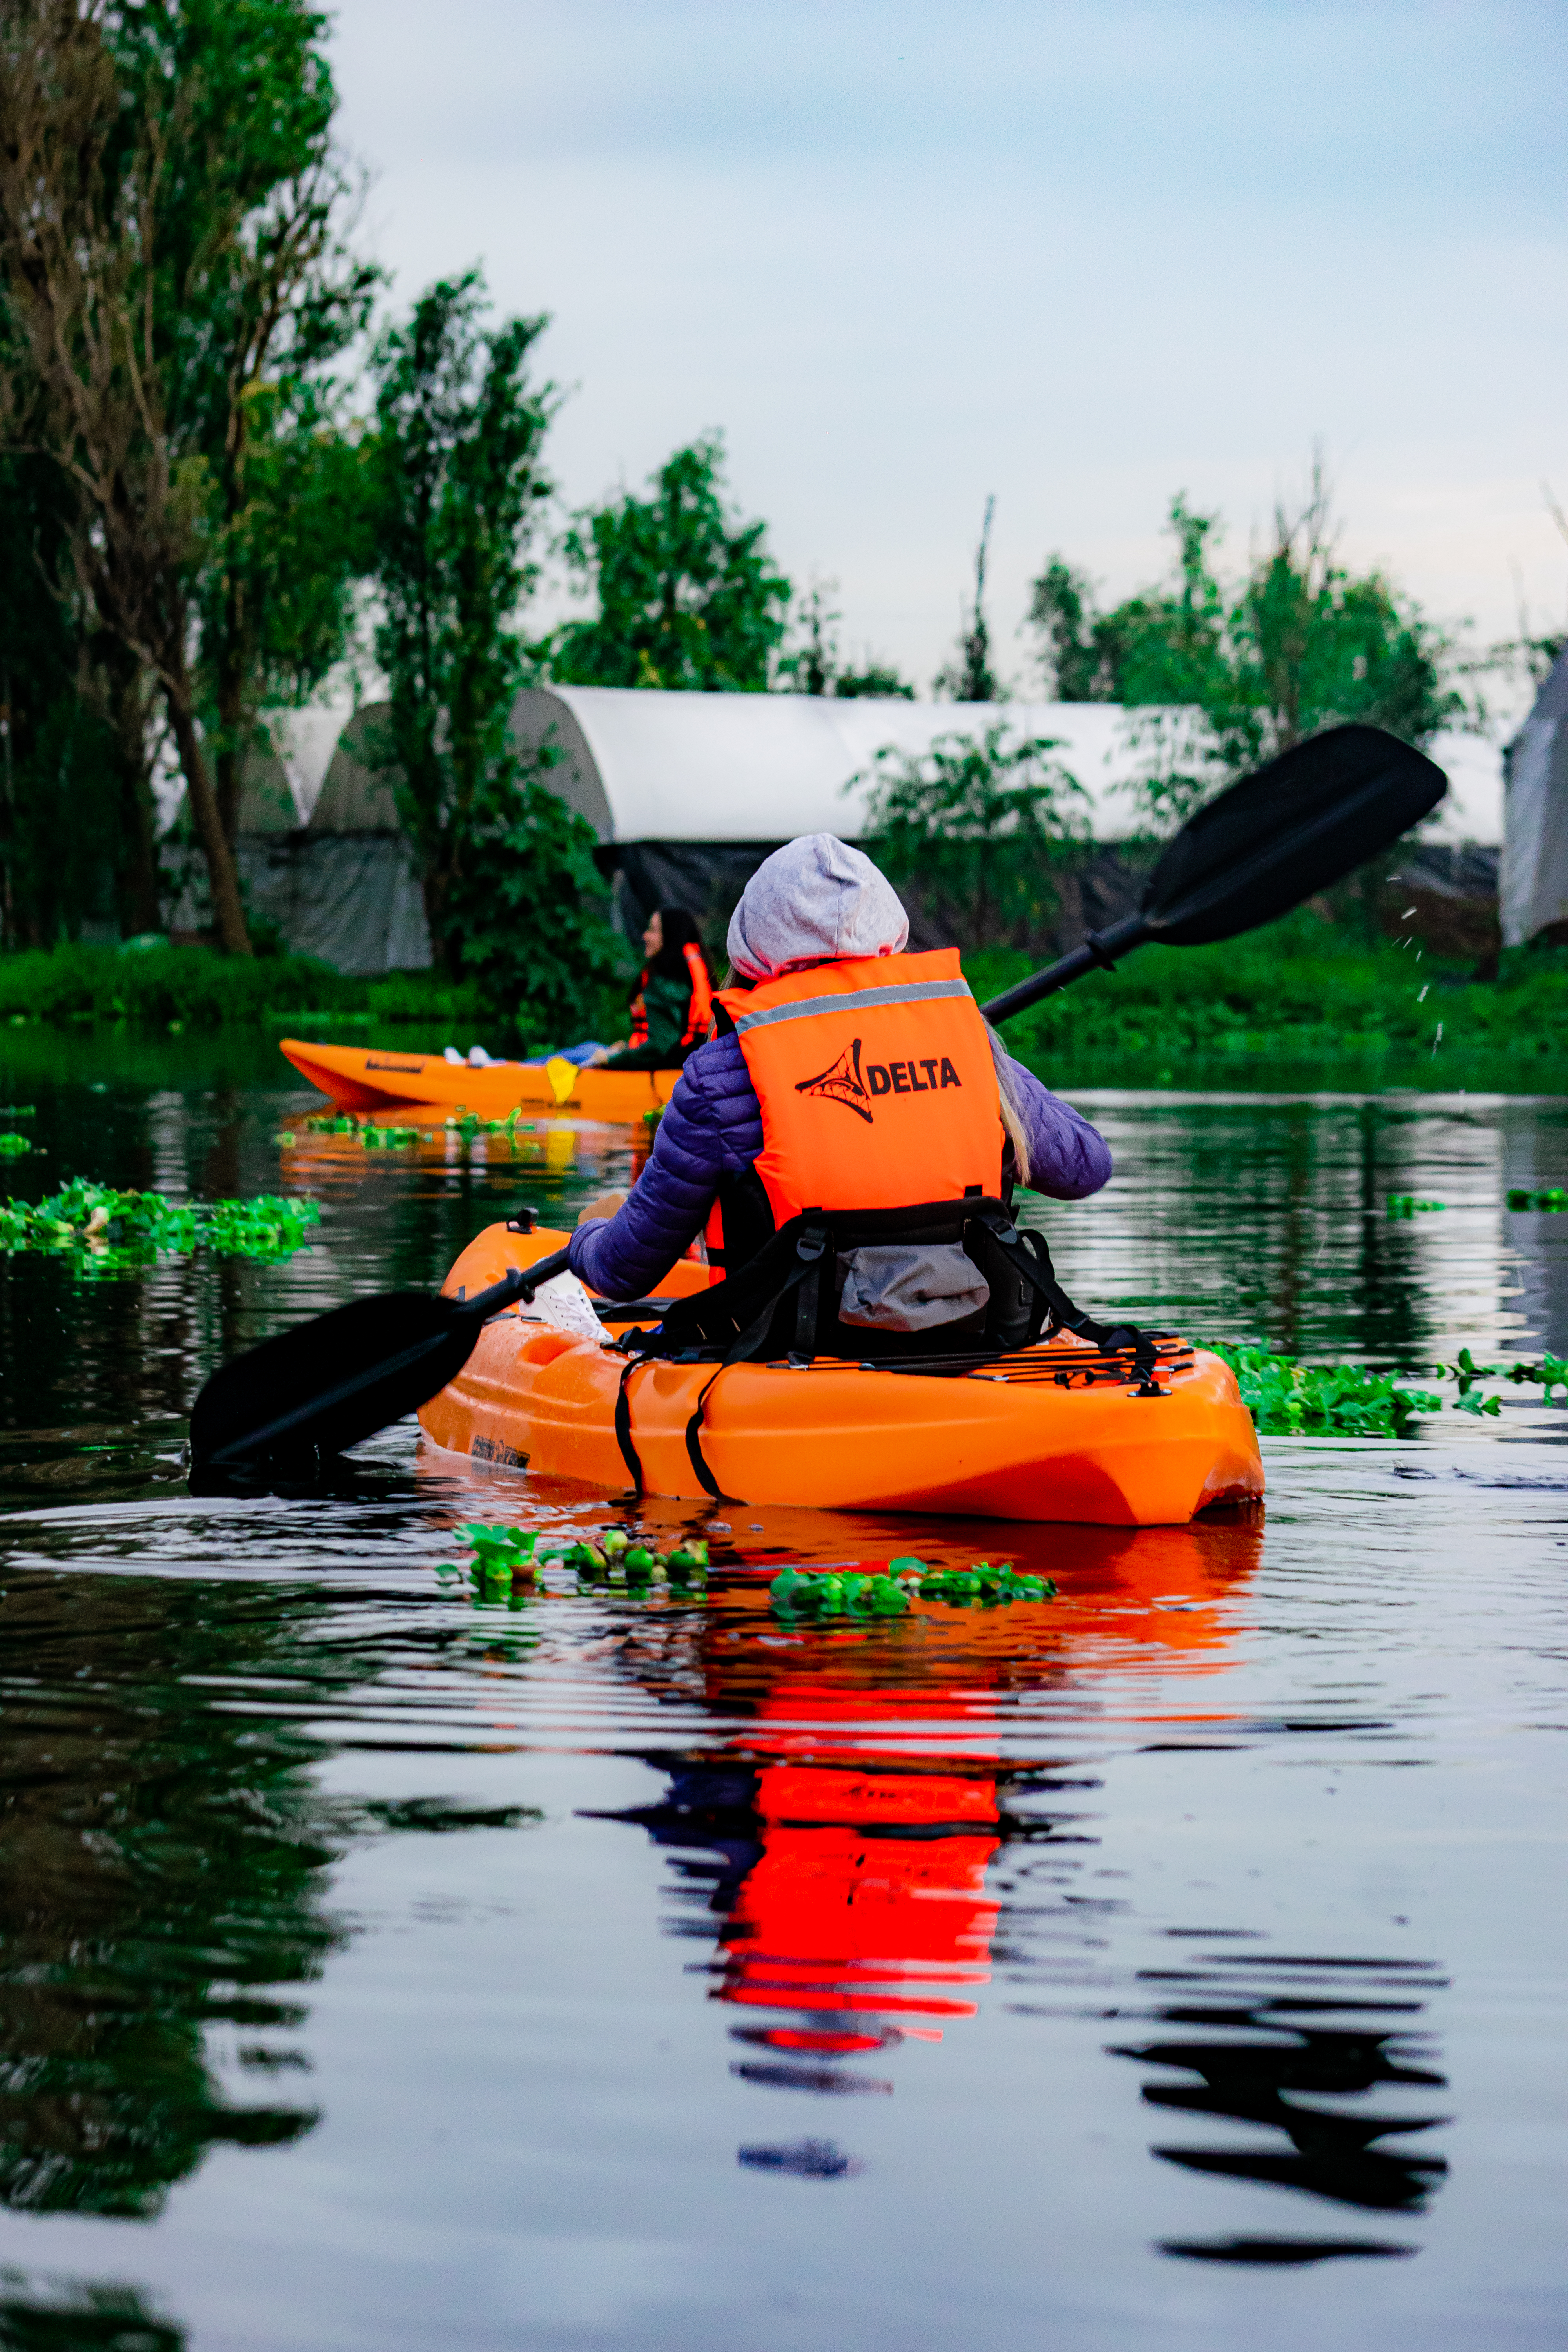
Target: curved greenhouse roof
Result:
[[647, 766], [644, 766]]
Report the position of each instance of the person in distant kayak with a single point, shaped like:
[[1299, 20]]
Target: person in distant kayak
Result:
[[853, 1094], [671, 997]]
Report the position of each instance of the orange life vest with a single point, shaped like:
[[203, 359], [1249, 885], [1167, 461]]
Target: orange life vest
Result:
[[698, 1012], [876, 1082], [701, 1009]]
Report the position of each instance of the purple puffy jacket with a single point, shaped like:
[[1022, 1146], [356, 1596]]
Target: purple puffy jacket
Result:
[[713, 1127]]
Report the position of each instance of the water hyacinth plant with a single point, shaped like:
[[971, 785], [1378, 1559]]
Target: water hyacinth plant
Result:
[[387, 1138], [505, 1556], [848, 1593], [1284, 1395], [105, 1231]]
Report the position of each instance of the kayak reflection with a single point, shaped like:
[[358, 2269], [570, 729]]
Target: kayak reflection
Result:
[[843, 1859], [857, 1880]]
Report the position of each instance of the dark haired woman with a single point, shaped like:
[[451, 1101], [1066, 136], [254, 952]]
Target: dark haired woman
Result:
[[670, 999]]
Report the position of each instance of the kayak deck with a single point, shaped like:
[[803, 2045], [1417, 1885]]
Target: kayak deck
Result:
[[1034, 1437], [370, 1079]]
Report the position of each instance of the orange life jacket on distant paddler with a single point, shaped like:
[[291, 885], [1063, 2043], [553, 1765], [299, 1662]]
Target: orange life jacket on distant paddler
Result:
[[699, 1011]]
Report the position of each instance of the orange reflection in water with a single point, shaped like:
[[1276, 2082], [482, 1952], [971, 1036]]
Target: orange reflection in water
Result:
[[865, 1916]]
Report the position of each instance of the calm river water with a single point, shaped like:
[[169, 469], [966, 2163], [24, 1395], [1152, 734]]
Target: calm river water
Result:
[[1184, 1960]]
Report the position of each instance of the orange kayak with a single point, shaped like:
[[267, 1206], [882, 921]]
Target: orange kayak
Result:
[[370, 1079], [1032, 1438]]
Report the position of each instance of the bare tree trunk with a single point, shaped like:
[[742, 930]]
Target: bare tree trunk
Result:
[[228, 911]]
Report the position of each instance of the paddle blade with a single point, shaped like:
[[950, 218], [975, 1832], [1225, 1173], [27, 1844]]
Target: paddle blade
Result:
[[330, 1382], [1305, 821]]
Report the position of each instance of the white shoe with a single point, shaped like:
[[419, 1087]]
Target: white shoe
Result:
[[451, 1054], [477, 1058]]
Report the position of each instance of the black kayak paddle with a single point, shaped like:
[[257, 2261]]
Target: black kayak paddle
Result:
[[1307, 819], [323, 1386]]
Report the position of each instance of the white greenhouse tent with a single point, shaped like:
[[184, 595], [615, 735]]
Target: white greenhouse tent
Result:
[[687, 793], [1534, 885]]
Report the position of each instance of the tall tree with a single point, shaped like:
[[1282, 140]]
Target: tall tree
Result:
[[170, 218], [292, 540], [1299, 643], [689, 596], [459, 431], [816, 665], [60, 806], [970, 677]]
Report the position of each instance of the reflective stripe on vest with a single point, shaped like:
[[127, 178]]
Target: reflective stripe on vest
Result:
[[876, 1082]]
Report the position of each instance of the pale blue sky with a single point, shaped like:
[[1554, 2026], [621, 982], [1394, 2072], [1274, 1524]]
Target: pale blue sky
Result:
[[1082, 256]]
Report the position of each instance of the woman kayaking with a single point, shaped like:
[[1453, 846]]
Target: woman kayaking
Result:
[[852, 1091], [671, 997]]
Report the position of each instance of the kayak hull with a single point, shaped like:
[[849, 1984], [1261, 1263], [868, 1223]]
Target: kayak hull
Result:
[[371, 1079], [831, 1436]]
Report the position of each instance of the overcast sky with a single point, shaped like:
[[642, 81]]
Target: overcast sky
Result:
[[1081, 255]]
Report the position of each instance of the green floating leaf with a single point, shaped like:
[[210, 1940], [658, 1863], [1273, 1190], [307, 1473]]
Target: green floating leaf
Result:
[[11, 1147]]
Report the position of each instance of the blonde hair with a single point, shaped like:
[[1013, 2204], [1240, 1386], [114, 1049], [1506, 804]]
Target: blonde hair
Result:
[[1011, 1108]]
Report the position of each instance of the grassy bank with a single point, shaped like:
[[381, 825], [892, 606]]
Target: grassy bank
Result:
[[196, 988], [1304, 994], [1303, 1003]]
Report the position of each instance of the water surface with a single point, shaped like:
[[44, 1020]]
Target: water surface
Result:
[[381, 1969]]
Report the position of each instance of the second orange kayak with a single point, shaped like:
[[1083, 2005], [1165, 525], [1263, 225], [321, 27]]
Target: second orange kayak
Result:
[[369, 1078]]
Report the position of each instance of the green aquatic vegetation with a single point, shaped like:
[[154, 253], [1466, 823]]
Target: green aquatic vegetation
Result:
[[505, 1554], [467, 1123], [845, 1593], [1550, 1372], [390, 1139], [28, 1111], [1549, 1197], [1283, 1395], [1406, 1204], [106, 1230], [11, 1147]]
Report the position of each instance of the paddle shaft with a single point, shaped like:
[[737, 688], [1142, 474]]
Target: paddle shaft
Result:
[[1097, 953]]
